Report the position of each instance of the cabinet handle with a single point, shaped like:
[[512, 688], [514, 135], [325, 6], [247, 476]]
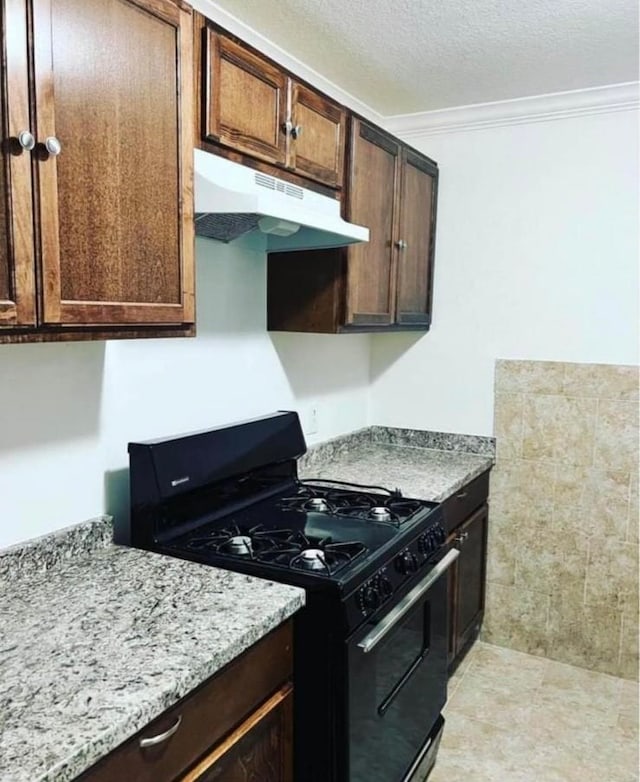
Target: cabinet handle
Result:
[[401, 244], [27, 140], [154, 740], [296, 131], [460, 539], [52, 145], [461, 495]]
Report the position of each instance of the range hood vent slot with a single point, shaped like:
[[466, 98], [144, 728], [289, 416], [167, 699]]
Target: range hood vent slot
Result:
[[279, 186]]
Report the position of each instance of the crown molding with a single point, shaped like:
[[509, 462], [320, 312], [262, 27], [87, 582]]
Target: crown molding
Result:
[[247, 34], [539, 108]]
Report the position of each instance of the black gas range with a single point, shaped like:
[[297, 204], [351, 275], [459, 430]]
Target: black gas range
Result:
[[370, 644]]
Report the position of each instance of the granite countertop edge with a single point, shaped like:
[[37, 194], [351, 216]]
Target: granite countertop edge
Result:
[[91, 753], [98, 642]]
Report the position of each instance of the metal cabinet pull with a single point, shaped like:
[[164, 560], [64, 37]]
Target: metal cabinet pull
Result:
[[154, 740], [401, 244], [461, 495], [296, 131], [462, 537], [27, 140], [52, 145]]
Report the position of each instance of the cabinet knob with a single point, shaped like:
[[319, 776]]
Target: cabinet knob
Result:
[[291, 130], [52, 145], [27, 140], [401, 244]]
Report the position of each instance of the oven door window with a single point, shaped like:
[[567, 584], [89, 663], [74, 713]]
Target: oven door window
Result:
[[399, 657], [397, 690]]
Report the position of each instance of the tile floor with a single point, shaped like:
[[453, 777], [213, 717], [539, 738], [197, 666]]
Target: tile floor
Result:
[[512, 717]]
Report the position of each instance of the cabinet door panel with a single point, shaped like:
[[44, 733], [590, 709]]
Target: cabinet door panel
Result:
[[111, 85], [373, 181], [470, 587], [246, 100], [318, 148], [259, 749], [17, 278], [417, 235]]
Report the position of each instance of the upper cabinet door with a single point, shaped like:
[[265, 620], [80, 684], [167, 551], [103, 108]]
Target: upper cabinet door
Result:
[[17, 284], [246, 100], [113, 87], [373, 182], [318, 136], [416, 239]]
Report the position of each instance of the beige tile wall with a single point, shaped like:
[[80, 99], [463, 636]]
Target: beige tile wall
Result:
[[563, 547]]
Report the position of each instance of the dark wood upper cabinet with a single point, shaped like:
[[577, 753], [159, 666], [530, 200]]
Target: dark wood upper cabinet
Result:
[[317, 136], [415, 242], [246, 100], [374, 178], [254, 110], [17, 267], [385, 284], [111, 170]]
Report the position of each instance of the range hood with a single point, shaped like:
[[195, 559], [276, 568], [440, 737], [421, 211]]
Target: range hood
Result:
[[231, 200]]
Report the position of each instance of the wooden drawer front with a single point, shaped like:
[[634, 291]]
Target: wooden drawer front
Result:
[[207, 715], [461, 504], [259, 749]]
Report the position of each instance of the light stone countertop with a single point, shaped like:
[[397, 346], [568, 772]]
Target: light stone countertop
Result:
[[96, 646], [423, 473]]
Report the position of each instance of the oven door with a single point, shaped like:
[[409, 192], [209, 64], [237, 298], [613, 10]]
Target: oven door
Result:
[[397, 682]]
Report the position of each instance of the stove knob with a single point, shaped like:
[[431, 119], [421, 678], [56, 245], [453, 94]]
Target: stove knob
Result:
[[369, 598], [425, 543], [406, 563], [386, 587]]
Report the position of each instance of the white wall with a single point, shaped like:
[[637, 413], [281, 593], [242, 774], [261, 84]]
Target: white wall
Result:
[[536, 258], [67, 411]]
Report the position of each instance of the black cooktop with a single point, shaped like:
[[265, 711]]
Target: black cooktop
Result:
[[307, 529]]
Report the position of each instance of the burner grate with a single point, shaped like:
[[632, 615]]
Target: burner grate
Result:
[[352, 504], [285, 547]]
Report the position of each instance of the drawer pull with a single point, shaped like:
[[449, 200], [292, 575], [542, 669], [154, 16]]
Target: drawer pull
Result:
[[461, 495], [154, 740]]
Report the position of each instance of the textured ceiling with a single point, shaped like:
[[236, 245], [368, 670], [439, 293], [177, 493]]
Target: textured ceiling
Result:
[[402, 56]]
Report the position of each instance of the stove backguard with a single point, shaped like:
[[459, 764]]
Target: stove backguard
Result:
[[177, 482]]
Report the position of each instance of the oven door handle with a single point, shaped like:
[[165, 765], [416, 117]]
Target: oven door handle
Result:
[[387, 624]]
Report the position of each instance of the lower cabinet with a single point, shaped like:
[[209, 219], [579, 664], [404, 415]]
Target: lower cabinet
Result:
[[235, 727], [466, 519], [258, 749]]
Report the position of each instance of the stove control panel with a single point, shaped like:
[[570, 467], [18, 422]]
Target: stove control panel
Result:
[[415, 557]]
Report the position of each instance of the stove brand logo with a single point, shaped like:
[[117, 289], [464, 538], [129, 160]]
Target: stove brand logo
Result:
[[178, 481]]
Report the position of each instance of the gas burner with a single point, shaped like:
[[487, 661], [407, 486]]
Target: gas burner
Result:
[[239, 544], [312, 559], [318, 504], [287, 548], [380, 513]]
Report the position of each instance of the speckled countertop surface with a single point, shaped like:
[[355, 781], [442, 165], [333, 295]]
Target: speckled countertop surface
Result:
[[94, 646], [426, 465]]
